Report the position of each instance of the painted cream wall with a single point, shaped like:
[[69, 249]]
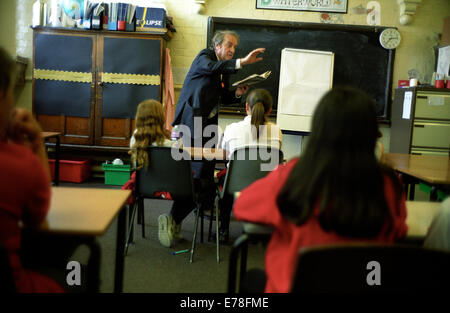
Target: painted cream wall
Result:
[[416, 51], [7, 22], [16, 36]]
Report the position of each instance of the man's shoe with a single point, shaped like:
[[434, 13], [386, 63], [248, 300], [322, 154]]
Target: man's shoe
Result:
[[165, 228]]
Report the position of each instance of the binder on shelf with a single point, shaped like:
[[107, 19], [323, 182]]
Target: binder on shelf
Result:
[[105, 16], [97, 16], [121, 16], [112, 16], [112, 25], [96, 22], [149, 18], [130, 25], [87, 15], [87, 23]]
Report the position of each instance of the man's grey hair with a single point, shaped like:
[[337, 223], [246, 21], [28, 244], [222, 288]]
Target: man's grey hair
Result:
[[219, 36]]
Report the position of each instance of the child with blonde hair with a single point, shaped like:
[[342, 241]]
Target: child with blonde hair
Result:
[[150, 131]]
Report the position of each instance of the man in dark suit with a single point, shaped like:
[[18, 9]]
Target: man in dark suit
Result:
[[205, 87]]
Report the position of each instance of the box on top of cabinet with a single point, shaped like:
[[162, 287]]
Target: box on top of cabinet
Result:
[[147, 18]]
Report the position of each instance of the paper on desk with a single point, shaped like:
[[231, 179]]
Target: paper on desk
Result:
[[407, 105]]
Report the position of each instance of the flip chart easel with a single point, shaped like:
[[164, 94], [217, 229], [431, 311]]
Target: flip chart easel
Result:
[[305, 76]]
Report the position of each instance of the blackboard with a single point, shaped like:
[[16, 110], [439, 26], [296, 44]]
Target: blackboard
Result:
[[360, 61]]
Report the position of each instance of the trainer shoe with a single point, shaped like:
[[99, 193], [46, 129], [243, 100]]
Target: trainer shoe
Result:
[[165, 227]]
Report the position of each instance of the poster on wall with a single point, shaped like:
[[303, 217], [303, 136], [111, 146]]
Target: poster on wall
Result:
[[339, 6]]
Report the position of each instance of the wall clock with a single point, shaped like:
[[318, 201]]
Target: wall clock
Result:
[[390, 38]]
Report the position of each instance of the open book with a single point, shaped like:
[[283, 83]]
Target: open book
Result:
[[253, 79]]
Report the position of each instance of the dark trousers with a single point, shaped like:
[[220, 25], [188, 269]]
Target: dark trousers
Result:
[[225, 205], [203, 170], [181, 208]]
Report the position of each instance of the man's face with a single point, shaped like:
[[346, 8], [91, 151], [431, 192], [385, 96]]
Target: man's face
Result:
[[226, 49]]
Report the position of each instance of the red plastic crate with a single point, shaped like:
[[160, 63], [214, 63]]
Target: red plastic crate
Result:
[[75, 171]]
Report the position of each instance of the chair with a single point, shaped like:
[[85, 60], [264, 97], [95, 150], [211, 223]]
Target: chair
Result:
[[252, 234], [165, 173], [7, 284], [247, 165], [49, 255], [346, 268]]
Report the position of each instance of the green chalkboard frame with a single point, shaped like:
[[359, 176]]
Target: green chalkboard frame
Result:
[[380, 87]]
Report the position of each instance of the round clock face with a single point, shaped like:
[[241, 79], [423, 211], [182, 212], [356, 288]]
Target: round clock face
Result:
[[390, 38]]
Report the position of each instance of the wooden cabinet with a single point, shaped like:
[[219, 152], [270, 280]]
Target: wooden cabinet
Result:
[[87, 84], [421, 121]]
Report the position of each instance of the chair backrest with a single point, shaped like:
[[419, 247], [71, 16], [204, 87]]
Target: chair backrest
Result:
[[371, 268], [169, 169], [249, 164], [7, 284]]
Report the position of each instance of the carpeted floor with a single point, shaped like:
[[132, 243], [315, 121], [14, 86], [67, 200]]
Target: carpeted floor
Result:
[[151, 268]]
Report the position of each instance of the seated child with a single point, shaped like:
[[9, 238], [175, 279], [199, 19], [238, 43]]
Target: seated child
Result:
[[150, 132], [254, 130], [335, 192], [25, 187]]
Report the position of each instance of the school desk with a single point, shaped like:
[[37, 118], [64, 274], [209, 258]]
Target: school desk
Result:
[[49, 135], [430, 169], [87, 213], [420, 214], [207, 154]]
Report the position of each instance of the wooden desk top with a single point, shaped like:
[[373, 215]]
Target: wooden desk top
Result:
[[429, 168], [420, 214], [50, 134], [207, 154], [83, 211]]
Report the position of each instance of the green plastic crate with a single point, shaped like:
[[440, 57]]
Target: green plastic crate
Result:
[[116, 174], [441, 195]]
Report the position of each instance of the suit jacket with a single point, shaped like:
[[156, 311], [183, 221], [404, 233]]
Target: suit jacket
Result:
[[206, 85]]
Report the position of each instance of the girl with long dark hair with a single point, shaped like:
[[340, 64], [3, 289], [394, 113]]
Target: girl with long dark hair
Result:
[[337, 191]]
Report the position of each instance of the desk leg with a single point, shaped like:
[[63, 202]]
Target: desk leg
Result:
[[120, 247], [409, 185], [94, 267], [57, 147], [412, 190], [433, 194]]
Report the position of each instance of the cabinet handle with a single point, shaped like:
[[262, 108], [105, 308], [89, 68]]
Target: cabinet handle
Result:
[[422, 97], [419, 125]]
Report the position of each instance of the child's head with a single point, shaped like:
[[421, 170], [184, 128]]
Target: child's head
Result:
[[259, 104], [148, 113], [149, 121], [338, 172], [345, 123], [7, 73]]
